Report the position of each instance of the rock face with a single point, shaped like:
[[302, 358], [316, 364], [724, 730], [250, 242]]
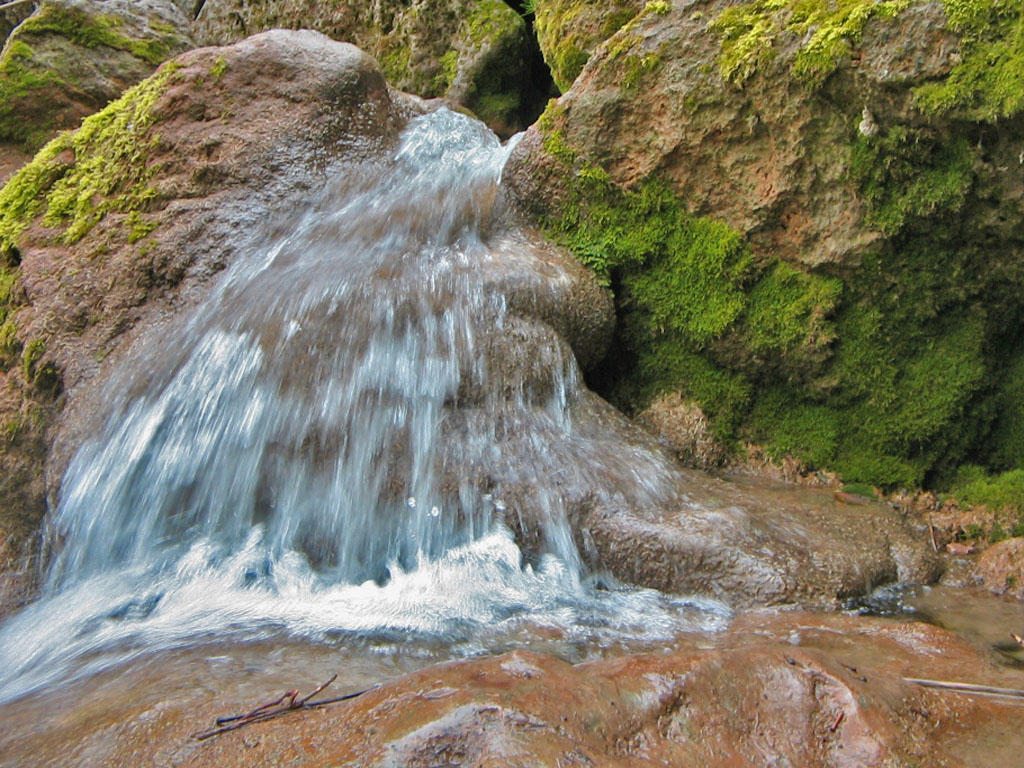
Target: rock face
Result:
[[811, 218], [12, 17], [828, 695], [1001, 568], [477, 53], [71, 57], [117, 223]]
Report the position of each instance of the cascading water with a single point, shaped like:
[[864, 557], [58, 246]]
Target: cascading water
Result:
[[289, 459]]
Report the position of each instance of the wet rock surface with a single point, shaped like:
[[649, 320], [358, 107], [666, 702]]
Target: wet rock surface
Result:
[[71, 57], [794, 688]]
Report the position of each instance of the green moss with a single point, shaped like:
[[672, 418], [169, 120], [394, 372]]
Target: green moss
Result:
[[1007, 439], [94, 31], [490, 20], [636, 67], [1005, 491], [861, 489], [786, 424], [826, 28], [111, 170], [394, 60], [449, 68], [882, 371], [72, 183], [569, 30], [33, 353], [906, 173], [220, 66], [988, 81], [20, 82], [789, 309]]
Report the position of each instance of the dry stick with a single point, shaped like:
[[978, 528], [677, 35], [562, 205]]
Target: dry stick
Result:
[[984, 690], [287, 695], [931, 532], [265, 712]]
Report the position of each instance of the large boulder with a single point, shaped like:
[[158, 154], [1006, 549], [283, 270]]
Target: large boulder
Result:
[[812, 219], [71, 57], [121, 220], [475, 52]]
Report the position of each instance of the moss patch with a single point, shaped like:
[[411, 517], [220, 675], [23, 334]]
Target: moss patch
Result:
[[988, 81], [882, 371], [908, 174], [569, 30], [76, 180], [826, 28], [30, 84]]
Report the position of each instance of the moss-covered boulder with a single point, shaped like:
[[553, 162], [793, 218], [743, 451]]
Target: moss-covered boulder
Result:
[[475, 52], [569, 30], [811, 213], [111, 227], [71, 57]]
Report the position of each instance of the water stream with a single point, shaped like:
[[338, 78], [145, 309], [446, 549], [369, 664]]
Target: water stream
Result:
[[301, 455]]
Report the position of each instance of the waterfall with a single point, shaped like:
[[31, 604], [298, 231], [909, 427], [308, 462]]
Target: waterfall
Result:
[[306, 451]]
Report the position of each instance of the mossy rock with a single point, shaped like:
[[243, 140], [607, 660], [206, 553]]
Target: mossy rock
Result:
[[71, 57], [475, 52], [810, 215], [570, 30]]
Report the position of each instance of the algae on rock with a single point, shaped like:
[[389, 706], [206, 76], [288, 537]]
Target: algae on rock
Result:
[[811, 221], [71, 57]]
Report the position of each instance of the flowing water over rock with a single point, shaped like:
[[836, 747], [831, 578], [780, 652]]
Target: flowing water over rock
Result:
[[336, 442]]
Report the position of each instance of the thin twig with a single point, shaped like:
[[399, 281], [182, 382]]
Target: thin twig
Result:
[[276, 702], [289, 702], [302, 702], [931, 532], [837, 721]]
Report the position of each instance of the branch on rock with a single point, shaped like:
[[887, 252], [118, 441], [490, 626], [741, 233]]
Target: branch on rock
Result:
[[287, 702]]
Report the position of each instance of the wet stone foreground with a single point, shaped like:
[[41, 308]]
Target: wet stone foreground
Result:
[[778, 688]]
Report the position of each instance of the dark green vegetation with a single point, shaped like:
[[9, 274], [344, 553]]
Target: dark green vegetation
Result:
[[894, 371]]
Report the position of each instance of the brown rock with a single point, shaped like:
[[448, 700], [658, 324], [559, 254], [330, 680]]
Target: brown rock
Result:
[[770, 158], [71, 57], [1001, 568], [684, 427], [790, 689], [477, 53]]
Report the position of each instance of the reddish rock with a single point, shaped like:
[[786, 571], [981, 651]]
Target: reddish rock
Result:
[[777, 689], [1001, 567]]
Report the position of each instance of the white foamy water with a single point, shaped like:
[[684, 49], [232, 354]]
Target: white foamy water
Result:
[[287, 459]]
